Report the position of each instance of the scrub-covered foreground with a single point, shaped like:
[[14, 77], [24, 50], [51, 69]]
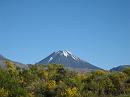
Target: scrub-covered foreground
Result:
[[57, 81]]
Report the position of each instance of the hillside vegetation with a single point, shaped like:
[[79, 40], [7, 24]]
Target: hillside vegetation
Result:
[[57, 81]]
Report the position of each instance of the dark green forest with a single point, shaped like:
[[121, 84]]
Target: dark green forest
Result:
[[57, 81]]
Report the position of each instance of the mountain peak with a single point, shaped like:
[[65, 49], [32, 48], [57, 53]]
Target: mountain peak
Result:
[[64, 52], [68, 59]]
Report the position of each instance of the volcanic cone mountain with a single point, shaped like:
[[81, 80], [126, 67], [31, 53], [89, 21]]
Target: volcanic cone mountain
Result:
[[68, 60]]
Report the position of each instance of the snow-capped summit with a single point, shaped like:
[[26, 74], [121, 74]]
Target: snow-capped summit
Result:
[[65, 53], [68, 60]]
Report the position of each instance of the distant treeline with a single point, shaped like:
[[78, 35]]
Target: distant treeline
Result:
[[57, 81]]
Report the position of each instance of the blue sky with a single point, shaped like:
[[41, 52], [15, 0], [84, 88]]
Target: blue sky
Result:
[[97, 31]]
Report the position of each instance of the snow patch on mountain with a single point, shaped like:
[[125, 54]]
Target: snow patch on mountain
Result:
[[64, 53], [67, 53], [50, 59], [75, 58]]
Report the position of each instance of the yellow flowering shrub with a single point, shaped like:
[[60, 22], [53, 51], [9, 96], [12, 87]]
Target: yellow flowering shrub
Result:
[[45, 74], [31, 95], [71, 92], [99, 72], [51, 84], [3, 92], [10, 66]]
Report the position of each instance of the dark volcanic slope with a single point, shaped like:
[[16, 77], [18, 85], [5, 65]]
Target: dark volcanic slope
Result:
[[3, 65], [69, 60]]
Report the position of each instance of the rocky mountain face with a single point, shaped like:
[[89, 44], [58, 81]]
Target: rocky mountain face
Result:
[[68, 60]]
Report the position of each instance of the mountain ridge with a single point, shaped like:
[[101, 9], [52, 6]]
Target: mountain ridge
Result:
[[119, 68], [4, 59]]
